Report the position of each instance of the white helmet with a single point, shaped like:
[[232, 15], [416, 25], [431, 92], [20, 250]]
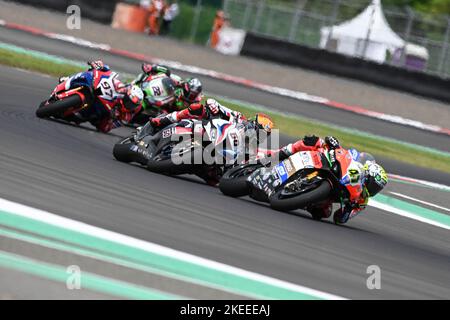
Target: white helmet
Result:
[[133, 98]]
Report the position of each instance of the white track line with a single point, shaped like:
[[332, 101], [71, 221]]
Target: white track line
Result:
[[420, 201]]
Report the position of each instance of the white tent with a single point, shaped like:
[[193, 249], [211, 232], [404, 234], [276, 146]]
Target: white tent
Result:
[[368, 35]]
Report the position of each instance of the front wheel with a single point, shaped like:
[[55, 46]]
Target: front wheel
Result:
[[282, 202], [122, 151], [58, 107], [234, 182]]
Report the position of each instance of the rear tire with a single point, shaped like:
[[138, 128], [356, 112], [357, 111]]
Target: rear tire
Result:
[[317, 195], [234, 184], [58, 107], [122, 153]]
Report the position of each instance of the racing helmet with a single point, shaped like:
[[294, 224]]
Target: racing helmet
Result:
[[376, 178], [264, 122], [192, 89], [133, 98], [254, 126]]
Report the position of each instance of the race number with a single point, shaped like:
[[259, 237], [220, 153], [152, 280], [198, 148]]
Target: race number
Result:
[[108, 90], [167, 133], [156, 91]]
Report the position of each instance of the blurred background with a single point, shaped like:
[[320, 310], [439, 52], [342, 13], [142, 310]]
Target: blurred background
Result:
[[421, 27]]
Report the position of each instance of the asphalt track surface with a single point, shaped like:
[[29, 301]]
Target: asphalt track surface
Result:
[[70, 171]]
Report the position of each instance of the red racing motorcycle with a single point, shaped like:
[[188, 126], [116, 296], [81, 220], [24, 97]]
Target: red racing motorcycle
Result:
[[85, 96]]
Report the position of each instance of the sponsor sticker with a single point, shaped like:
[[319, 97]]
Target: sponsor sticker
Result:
[[282, 173]]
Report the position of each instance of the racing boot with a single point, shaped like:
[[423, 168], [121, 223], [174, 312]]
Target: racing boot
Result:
[[322, 211]]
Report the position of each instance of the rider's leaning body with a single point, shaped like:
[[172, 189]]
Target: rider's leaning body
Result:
[[372, 177], [198, 111], [115, 103]]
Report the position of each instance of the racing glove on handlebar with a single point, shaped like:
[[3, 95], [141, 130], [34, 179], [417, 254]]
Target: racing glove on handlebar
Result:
[[155, 69], [332, 142], [311, 140], [160, 122], [97, 65]]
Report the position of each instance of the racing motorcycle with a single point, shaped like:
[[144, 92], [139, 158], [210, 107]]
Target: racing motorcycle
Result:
[[180, 148], [159, 95], [306, 180], [91, 94]]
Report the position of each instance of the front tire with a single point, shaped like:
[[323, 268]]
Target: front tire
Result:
[[57, 108], [319, 194], [121, 151], [234, 182]]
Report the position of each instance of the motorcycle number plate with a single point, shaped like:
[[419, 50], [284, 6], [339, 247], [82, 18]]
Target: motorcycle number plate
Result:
[[108, 89]]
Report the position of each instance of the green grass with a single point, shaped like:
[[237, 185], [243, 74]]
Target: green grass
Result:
[[27, 62], [291, 125]]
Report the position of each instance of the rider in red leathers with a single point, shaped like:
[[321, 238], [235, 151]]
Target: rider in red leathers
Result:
[[199, 111], [373, 180]]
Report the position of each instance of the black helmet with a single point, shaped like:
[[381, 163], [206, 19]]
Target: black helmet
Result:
[[192, 89]]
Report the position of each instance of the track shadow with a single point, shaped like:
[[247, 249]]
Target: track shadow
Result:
[[301, 214], [184, 177], [82, 127]]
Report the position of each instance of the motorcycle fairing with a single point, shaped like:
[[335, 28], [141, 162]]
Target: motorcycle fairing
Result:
[[351, 171], [268, 179]]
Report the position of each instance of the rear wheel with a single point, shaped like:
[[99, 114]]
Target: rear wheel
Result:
[[234, 182], [282, 200], [58, 107]]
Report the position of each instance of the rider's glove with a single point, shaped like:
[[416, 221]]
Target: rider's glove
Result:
[[155, 69], [213, 106], [147, 68], [159, 122], [311, 141], [62, 79], [155, 122], [332, 142], [239, 117]]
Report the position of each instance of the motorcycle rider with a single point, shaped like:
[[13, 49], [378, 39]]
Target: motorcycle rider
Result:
[[186, 92], [125, 100], [373, 177]]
